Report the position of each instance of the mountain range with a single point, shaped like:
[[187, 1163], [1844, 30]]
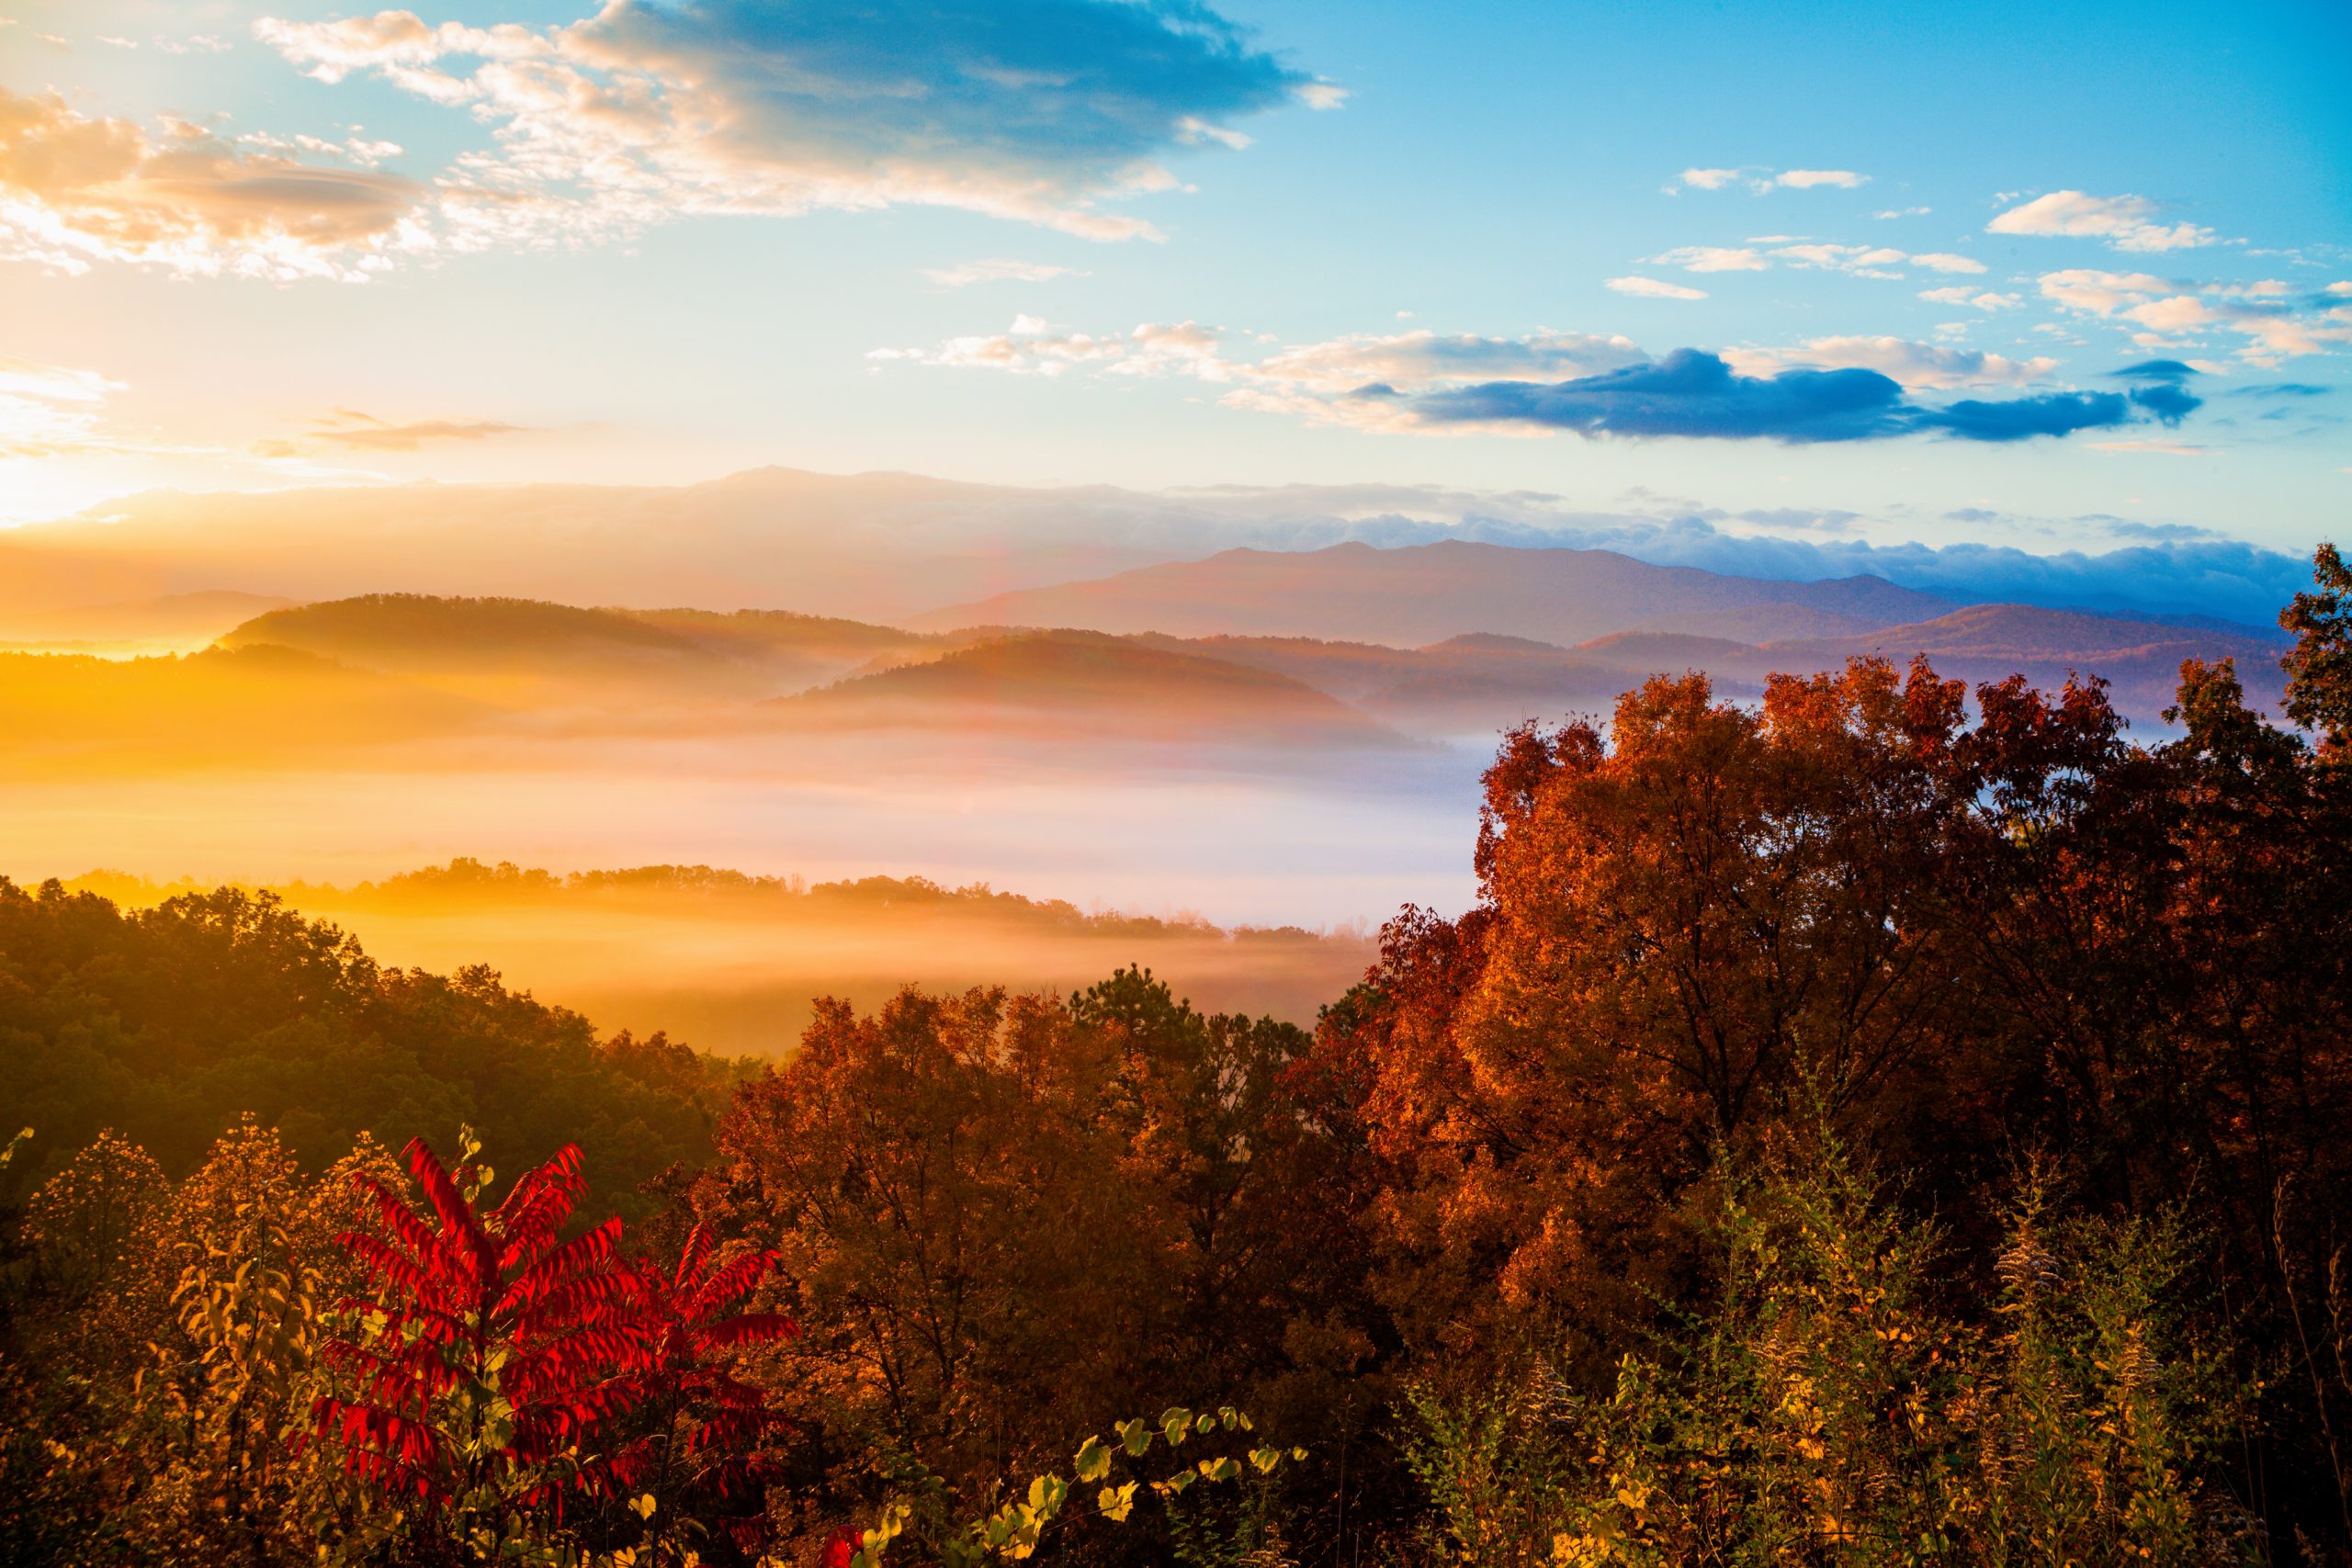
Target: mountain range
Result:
[[890, 546], [1424, 594]]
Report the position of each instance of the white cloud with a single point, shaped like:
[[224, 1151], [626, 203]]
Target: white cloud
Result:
[[2125, 222], [1913, 363], [2166, 311], [1807, 179], [1760, 180], [1031, 346], [1962, 294], [75, 191], [1863, 261], [965, 273], [1866, 261], [1653, 289], [2098, 293], [1712, 258], [1904, 212], [1322, 95], [2178, 313], [2168, 448]]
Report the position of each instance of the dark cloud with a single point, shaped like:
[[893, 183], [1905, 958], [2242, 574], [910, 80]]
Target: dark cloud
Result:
[[2282, 390], [1688, 393], [2163, 388], [1693, 393], [1054, 87], [2022, 418]]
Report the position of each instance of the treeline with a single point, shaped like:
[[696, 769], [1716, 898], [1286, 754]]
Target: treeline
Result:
[[467, 881], [167, 1024], [1885, 1123]]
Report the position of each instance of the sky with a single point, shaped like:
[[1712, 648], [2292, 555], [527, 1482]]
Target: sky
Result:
[[2058, 276]]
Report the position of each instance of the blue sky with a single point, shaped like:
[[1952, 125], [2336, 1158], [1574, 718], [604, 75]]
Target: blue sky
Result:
[[2053, 276]]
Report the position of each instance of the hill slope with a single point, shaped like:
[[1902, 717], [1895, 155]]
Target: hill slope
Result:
[[1424, 594], [1080, 683], [414, 633]]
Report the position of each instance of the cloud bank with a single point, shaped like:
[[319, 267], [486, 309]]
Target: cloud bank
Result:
[[2275, 320], [1693, 393], [1831, 390]]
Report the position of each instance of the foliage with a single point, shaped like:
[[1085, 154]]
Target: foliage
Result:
[[1014, 1532], [167, 1023], [1561, 1239], [1823, 1408], [2319, 667]]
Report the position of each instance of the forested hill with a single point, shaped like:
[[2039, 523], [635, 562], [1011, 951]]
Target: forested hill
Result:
[[166, 1024]]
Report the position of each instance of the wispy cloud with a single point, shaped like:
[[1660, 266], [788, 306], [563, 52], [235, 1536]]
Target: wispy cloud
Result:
[[2168, 448], [2275, 323], [47, 410], [965, 273], [1712, 259], [353, 431], [75, 191], [1760, 179], [1768, 250], [1980, 299], [1921, 365], [1655, 288], [2124, 223]]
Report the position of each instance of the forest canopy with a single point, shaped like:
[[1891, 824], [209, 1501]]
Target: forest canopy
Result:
[[1886, 1122]]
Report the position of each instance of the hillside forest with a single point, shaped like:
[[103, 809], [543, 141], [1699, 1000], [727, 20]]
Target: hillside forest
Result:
[[1882, 1115]]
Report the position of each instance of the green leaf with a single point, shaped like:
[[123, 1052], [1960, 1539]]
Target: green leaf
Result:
[[1093, 1460]]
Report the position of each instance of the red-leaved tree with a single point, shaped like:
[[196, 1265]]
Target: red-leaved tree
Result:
[[495, 1350], [692, 1466]]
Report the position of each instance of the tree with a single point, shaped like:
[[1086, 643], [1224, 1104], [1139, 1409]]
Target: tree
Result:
[[492, 1356], [2319, 667], [691, 1460]]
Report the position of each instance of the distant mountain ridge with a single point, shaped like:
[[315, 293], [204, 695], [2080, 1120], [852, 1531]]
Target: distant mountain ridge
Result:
[[1074, 680], [771, 666], [885, 547], [1418, 594]]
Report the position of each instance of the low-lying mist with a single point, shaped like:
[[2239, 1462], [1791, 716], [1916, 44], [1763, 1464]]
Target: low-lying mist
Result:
[[730, 962]]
